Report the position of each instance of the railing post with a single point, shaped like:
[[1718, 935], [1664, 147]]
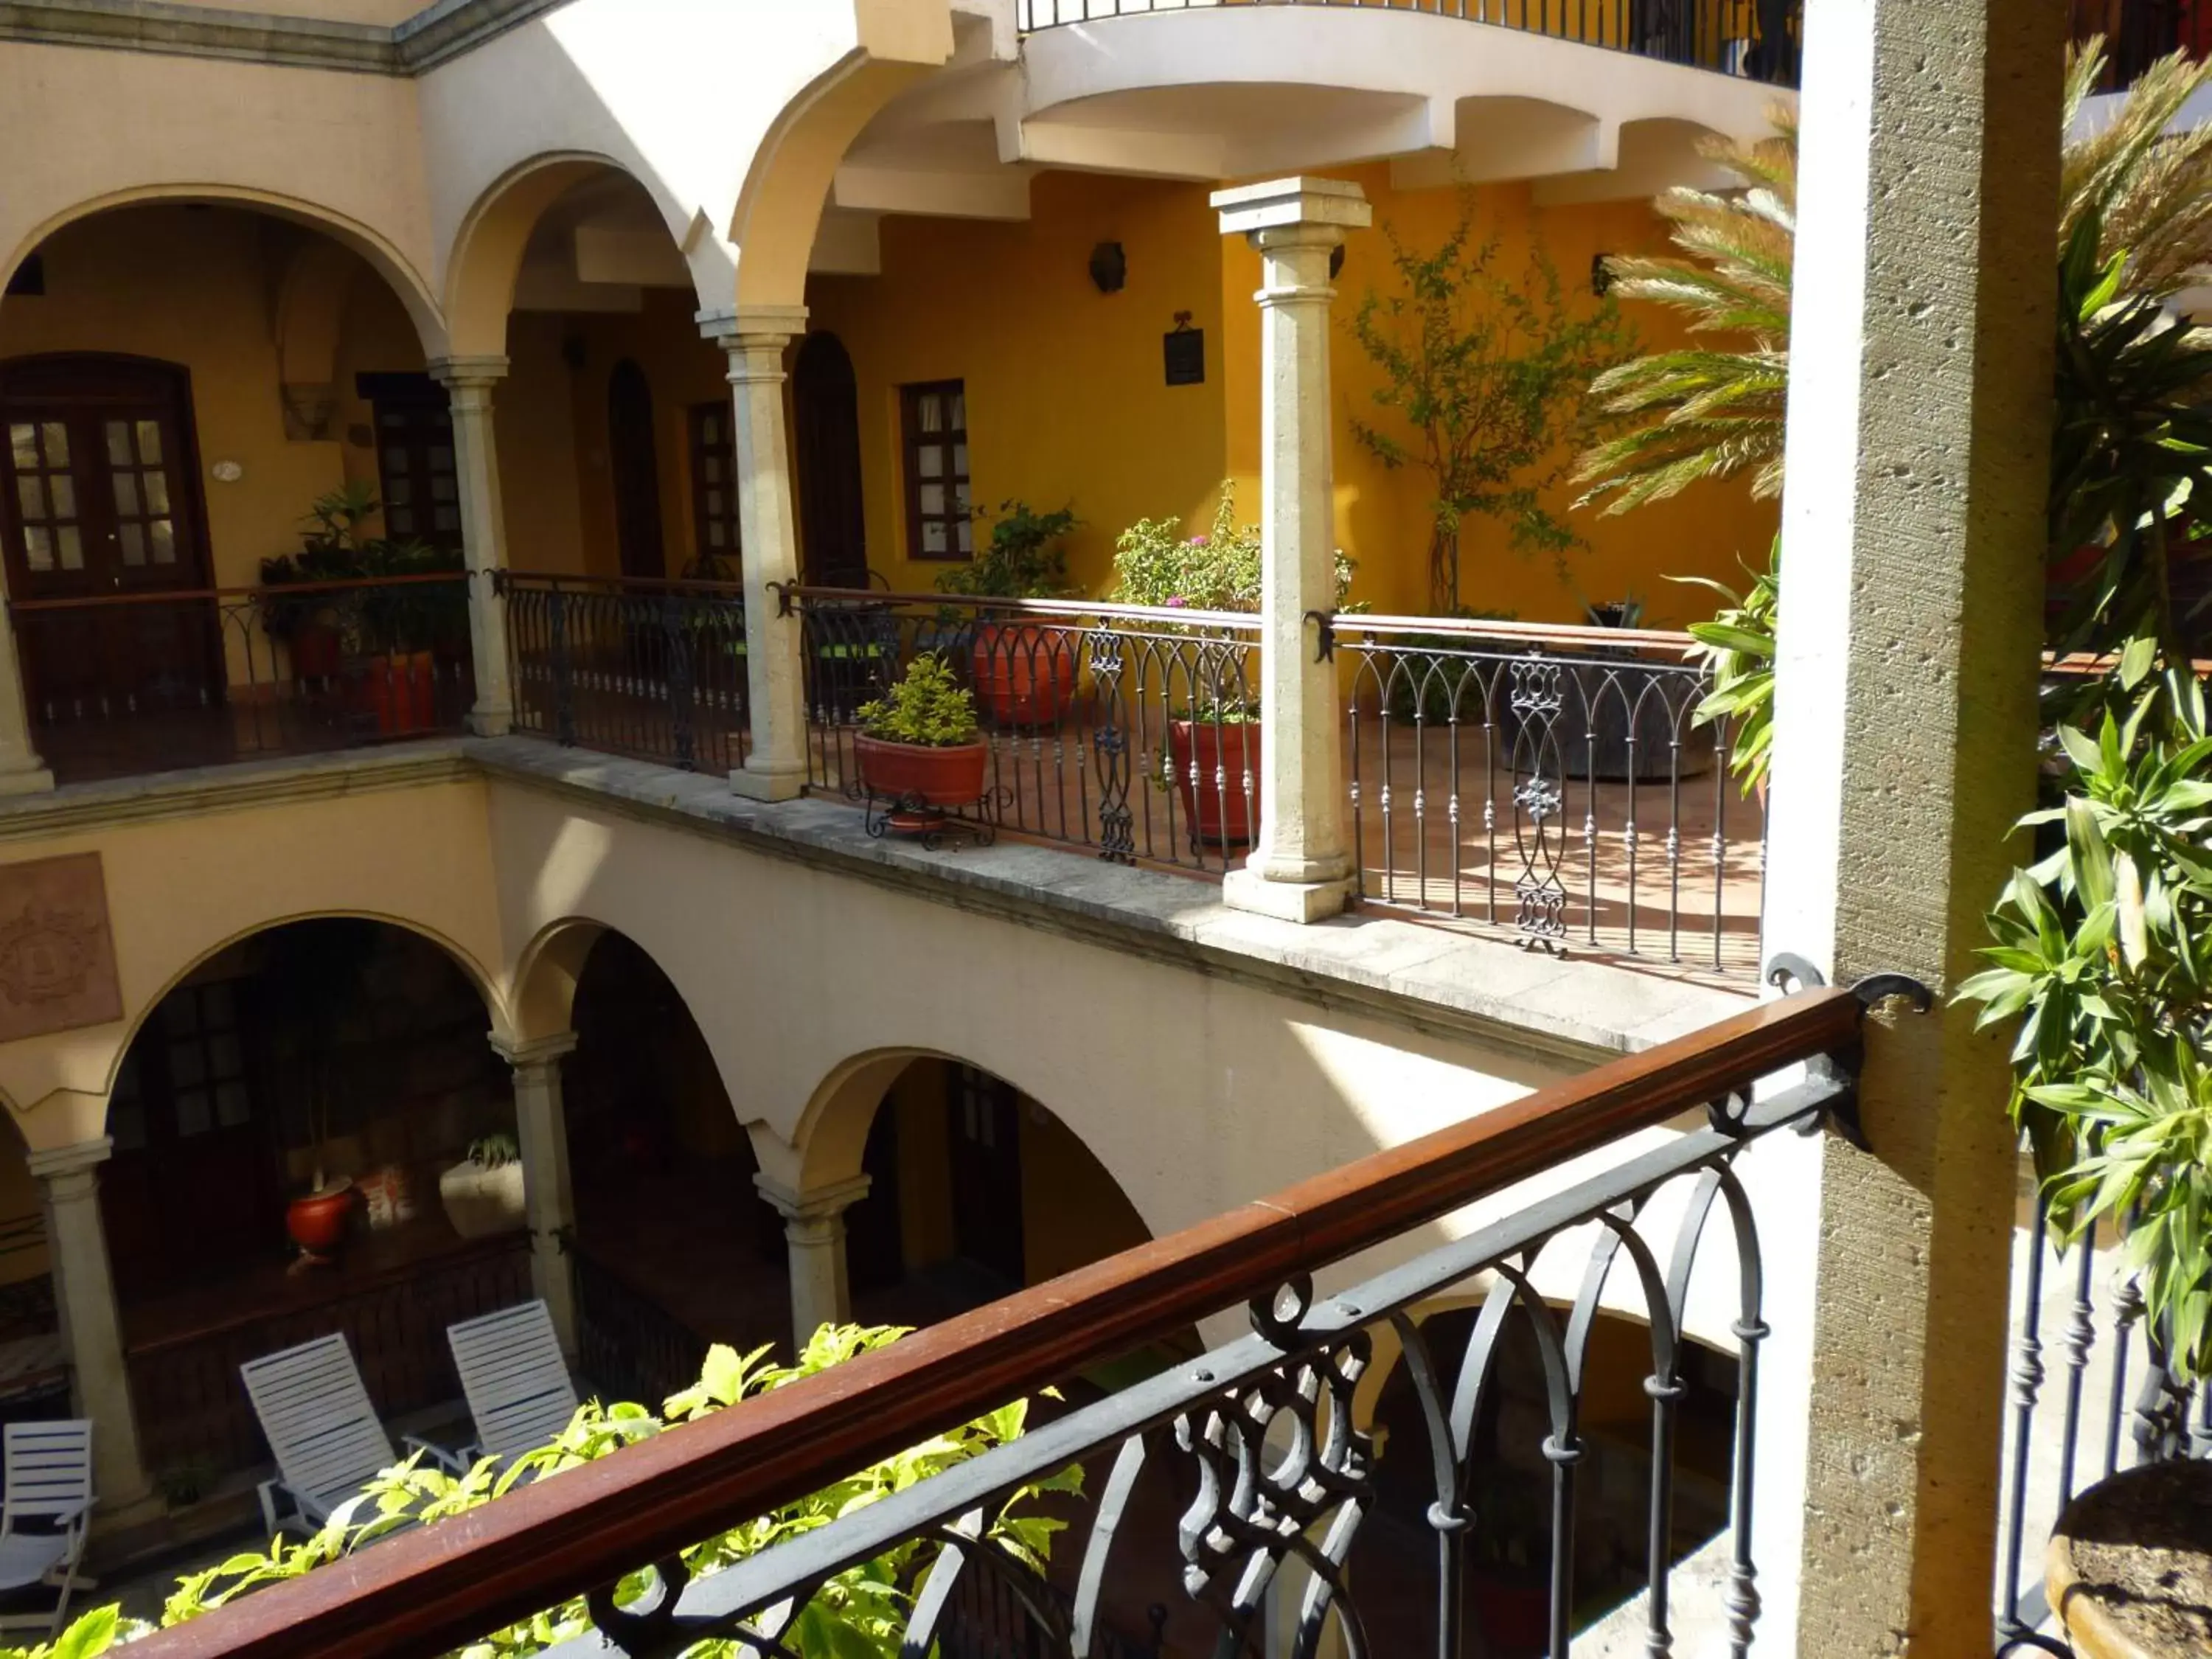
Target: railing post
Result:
[[91, 1328], [1914, 525], [814, 1229], [469, 382], [1299, 868], [541, 1128], [755, 337]]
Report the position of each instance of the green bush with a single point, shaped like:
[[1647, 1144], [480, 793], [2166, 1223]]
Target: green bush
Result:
[[927, 707], [1217, 569], [860, 1614], [1026, 558]]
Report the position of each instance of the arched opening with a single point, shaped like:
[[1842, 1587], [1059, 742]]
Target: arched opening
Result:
[[343, 1051], [826, 442], [181, 382], [1507, 1566]]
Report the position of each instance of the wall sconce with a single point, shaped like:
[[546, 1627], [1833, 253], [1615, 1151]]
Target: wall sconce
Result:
[[1109, 268], [1601, 274]]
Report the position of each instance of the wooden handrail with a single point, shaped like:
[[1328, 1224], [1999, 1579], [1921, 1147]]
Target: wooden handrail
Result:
[[432, 1590], [193, 595], [1476, 628], [1176, 616], [559, 579]]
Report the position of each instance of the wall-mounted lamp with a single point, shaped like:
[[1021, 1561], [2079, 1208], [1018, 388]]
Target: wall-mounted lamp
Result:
[[1601, 274], [1109, 268]]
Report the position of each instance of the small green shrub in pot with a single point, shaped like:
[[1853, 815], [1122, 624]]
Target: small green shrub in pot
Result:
[[919, 744], [1024, 671], [927, 707]]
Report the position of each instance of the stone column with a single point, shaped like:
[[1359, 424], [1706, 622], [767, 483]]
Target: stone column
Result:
[[92, 1329], [1299, 867], [1919, 441], [22, 771], [768, 526], [469, 381], [541, 1128], [814, 1228]]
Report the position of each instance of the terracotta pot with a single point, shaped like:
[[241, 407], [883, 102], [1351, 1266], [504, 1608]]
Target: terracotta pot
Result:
[[317, 1221], [316, 652], [2127, 1560], [403, 691], [1024, 673], [1217, 814], [935, 777]]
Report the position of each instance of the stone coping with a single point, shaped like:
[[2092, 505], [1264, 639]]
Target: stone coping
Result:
[[1419, 975], [434, 35]]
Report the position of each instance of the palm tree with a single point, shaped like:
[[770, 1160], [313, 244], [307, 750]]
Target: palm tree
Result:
[[1713, 412]]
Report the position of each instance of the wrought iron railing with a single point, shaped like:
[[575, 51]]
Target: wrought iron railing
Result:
[[1552, 781], [1257, 1437], [1759, 40], [124, 684], [2090, 1395], [1130, 732], [629, 1346], [655, 670]]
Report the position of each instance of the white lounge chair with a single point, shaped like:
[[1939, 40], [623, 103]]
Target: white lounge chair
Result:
[[324, 1434], [45, 1514], [517, 1383]]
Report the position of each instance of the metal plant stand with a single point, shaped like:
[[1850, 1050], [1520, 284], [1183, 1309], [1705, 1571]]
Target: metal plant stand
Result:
[[911, 815]]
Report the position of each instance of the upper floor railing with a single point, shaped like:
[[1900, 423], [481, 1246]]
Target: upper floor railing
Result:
[[1758, 39], [1260, 1437]]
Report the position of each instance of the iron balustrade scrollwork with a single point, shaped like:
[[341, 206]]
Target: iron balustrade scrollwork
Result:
[[1754, 39], [1261, 1444], [1130, 732], [120, 685], [654, 670], [1552, 781]]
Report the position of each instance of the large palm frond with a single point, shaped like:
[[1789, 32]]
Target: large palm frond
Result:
[[1714, 412]]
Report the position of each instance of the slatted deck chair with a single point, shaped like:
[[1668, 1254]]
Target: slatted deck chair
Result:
[[45, 1513], [517, 1383], [325, 1434]]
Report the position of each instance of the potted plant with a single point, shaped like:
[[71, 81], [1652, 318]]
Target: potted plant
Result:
[[484, 1193], [1023, 671], [1737, 649], [316, 1218], [312, 626], [918, 744], [408, 630]]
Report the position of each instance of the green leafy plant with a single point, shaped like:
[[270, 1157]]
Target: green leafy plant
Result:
[[1486, 380], [1217, 568], [1737, 649], [495, 1152], [860, 1614], [927, 706], [1026, 558]]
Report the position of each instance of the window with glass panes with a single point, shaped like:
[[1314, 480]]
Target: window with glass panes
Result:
[[936, 427], [145, 530], [419, 487], [714, 491], [45, 496]]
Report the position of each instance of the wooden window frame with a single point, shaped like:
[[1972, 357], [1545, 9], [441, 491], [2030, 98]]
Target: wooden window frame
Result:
[[953, 439], [412, 397], [703, 516]]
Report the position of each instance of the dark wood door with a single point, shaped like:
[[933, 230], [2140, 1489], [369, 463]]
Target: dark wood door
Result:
[[636, 466], [826, 412], [192, 1191], [101, 502], [986, 1125]]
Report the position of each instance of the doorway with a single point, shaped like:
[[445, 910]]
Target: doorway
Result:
[[826, 411], [100, 508], [636, 468], [986, 1127]]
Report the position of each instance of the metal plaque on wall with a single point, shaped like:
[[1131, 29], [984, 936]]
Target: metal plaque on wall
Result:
[[57, 955], [1184, 350]]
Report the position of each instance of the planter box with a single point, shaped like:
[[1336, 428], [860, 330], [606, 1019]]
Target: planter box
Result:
[[909, 774], [1219, 814], [1024, 673], [480, 1202]]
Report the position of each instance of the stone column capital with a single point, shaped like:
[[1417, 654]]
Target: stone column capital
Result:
[[471, 373], [752, 327], [534, 1051], [817, 1205], [1295, 212], [81, 1157]]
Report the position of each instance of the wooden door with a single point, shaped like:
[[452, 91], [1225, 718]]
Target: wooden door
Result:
[[826, 412], [192, 1191], [985, 1121], [636, 467], [100, 503]]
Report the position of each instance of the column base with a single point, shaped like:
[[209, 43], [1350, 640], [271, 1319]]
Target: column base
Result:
[[763, 784], [489, 722], [27, 781], [1286, 900]]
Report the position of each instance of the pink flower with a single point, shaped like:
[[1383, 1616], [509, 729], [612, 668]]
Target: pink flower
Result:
[[1177, 602], [1197, 540]]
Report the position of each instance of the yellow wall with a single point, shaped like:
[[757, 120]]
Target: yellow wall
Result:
[[1072, 1213], [1066, 400]]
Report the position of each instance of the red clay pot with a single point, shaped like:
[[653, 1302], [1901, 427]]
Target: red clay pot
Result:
[[1024, 673], [936, 777], [317, 1221], [403, 691], [316, 652], [1217, 815]]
